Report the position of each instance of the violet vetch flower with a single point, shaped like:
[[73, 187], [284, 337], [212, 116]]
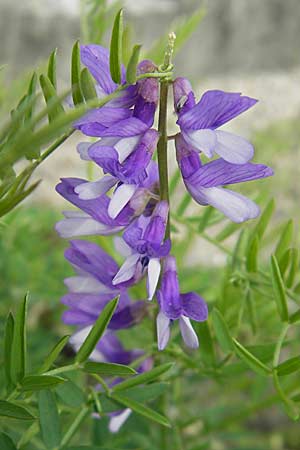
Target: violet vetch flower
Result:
[[93, 218], [204, 182], [145, 242], [176, 306], [199, 122], [91, 289]]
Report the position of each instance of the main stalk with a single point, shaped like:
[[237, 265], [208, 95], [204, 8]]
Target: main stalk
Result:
[[162, 146]]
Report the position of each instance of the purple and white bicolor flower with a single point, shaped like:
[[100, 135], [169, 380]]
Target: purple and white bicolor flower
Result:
[[132, 177], [93, 217], [176, 306], [199, 122], [91, 289], [205, 182], [143, 247]]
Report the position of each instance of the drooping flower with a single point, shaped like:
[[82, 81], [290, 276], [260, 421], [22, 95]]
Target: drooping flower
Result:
[[176, 306], [145, 246], [199, 122], [205, 182]]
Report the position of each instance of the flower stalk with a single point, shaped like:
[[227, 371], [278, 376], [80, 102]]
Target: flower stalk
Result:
[[162, 145]]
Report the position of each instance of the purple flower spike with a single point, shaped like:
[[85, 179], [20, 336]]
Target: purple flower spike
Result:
[[174, 305], [199, 122], [204, 182]]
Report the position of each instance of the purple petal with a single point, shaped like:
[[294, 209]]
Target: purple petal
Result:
[[214, 109], [96, 121], [220, 173], [96, 59], [156, 228], [188, 159], [194, 306], [184, 98], [93, 260], [125, 128]]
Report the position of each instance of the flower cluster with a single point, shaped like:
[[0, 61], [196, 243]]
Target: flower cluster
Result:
[[126, 201]]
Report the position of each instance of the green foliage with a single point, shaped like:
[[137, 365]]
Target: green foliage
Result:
[[116, 48]]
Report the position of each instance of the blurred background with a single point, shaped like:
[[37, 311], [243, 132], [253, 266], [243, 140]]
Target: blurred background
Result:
[[240, 45]]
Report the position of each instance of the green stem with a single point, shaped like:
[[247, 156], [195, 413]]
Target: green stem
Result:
[[75, 425], [63, 369]]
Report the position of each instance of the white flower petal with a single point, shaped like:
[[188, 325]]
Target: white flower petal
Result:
[[76, 214], [83, 149], [120, 198], [86, 285], [163, 330], [127, 270], [187, 332], [233, 148], [126, 146], [121, 247], [153, 276], [235, 206], [93, 189], [116, 422], [201, 140], [69, 228]]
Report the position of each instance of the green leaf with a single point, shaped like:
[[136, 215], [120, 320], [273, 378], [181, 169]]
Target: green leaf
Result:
[[221, 330], [278, 289], [146, 393], [132, 65], [285, 261], [75, 75], [8, 409], [87, 85], [70, 394], [31, 95], [289, 366], [54, 354], [206, 216], [289, 406], [6, 443], [251, 257], [39, 382], [52, 68], [116, 48], [228, 231], [18, 349], [295, 317], [207, 352], [108, 369], [8, 338], [96, 332], [50, 96], [294, 266], [264, 220], [141, 409], [145, 377], [254, 363], [285, 239], [127, 44], [49, 420], [183, 204]]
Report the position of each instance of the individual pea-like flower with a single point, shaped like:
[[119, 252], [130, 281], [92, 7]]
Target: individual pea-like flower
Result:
[[93, 217], [145, 247], [136, 173], [176, 306], [199, 122], [91, 289], [205, 182]]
